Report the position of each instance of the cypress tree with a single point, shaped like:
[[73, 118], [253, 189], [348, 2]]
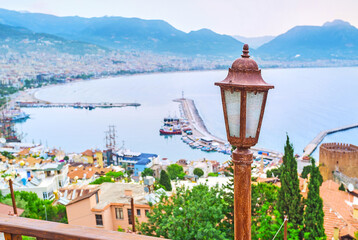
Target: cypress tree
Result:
[[165, 181], [289, 197], [313, 216]]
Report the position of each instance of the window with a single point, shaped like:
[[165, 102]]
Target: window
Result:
[[97, 198], [119, 213], [138, 212], [146, 212], [44, 194], [99, 220], [129, 216]]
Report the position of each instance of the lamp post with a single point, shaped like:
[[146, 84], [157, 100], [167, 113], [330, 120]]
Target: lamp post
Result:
[[243, 94]]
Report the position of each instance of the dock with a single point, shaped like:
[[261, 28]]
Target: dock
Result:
[[74, 105], [196, 123], [311, 147]]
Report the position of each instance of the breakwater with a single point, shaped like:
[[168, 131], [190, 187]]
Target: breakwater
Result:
[[199, 130], [309, 149]]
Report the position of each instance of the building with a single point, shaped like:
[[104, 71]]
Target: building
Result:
[[134, 161], [338, 157], [205, 165], [41, 178], [340, 211], [109, 206]]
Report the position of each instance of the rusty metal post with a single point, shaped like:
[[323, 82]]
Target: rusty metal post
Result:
[[133, 218], [13, 197], [242, 159], [285, 229]]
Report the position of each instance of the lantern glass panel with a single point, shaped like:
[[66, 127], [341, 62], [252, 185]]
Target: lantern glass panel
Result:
[[233, 106], [253, 111]]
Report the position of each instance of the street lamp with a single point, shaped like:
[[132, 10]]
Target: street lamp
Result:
[[243, 94]]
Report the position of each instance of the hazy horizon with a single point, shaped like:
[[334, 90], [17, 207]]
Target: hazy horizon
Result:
[[255, 18]]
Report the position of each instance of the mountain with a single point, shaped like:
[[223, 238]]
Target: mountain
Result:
[[22, 40], [127, 33], [254, 42], [333, 40]]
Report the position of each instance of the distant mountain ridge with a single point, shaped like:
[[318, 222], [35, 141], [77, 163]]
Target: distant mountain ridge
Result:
[[333, 40], [127, 33], [336, 40]]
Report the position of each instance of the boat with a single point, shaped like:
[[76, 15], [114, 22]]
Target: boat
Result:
[[15, 115], [171, 127]]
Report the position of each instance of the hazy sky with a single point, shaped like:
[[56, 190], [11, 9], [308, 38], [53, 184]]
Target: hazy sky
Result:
[[235, 17]]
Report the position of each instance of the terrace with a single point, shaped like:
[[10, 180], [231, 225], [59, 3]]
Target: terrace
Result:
[[15, 227]]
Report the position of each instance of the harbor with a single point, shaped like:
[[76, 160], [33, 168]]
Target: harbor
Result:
[[199, 136]]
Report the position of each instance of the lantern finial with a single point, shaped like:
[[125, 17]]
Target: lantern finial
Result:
[[245, 51]]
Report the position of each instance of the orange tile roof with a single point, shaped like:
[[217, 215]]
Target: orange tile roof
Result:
[[24, 152], [337, 211], [88, 153], [80, 173]]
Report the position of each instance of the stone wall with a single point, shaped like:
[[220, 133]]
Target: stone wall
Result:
[[338, 157]]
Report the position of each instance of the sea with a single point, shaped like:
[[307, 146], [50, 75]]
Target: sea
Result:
[[304, 102]]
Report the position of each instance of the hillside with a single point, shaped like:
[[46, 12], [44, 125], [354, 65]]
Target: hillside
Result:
[[127, 33], [333, 40], [22, 40]]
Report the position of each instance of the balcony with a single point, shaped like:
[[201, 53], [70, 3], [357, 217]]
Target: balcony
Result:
[[16, 227]]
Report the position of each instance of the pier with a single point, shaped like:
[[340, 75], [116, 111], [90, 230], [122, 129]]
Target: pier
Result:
[[27, 99], [196, 123], [74, 105], [309, 149]]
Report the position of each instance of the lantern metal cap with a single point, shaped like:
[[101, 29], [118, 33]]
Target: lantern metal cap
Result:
[[245, 73]]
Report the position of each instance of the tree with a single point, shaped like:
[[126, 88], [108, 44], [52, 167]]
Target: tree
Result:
[[174, 170], [115, 175], [342, 188], [147, 172], [306, 170], [198, 172], [313, 216], [165, 181], [34, 207], [102, 179], [289, 197], [269, 174], [189, 214]]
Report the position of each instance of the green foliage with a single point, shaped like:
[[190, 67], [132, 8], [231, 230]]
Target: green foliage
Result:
[[181, 175], [213, 174], [269, 174], [66, 158], [313, 216], [289, 197], [174, 170], [342, 188], [120, 229], [7, 154], [101, 180], [147, 172], [306, 170], [114, 174], [189, 214], [276, 172], [34, 207], [165, 181], [198, 172]]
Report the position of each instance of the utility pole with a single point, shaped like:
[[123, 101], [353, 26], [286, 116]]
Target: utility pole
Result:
[[13, 197], [133, 222], [285, 229]]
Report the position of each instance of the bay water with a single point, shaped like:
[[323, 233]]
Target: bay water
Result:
[[304, 102]]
